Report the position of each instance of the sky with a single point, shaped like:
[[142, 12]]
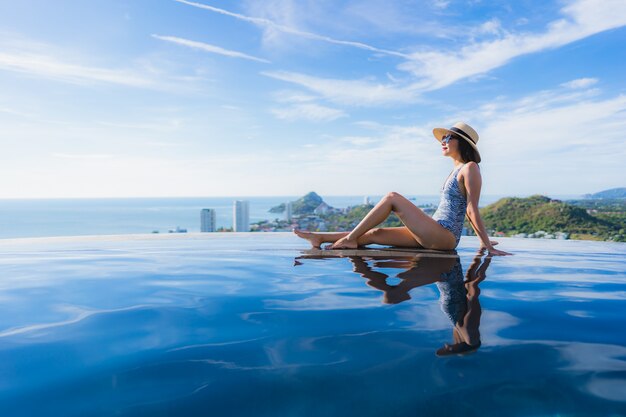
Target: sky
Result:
[[140, 98]]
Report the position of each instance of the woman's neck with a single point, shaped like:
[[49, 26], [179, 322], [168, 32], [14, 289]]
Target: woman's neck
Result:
[[457, 162]]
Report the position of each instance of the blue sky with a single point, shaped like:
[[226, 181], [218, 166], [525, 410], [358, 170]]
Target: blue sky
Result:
[[134, 98]]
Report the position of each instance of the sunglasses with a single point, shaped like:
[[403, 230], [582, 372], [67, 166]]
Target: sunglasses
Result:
[[447, 138]]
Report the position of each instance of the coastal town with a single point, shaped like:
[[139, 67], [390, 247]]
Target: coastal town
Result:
[[535, 217]]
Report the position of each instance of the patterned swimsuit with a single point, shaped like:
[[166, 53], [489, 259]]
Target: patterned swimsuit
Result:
[[453, 295], [451, 211]]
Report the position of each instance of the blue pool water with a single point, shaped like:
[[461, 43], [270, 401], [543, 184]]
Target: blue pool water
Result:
[[257, 325]]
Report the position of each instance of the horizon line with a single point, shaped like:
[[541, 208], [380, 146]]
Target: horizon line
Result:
[[519, 195]]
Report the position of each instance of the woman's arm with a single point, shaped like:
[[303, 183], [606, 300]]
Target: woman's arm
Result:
[[473, 183]]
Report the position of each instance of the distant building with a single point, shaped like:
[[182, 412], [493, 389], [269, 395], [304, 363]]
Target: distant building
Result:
[[207, 220], [241, 216], [289, 211], [323, 208], [366, 200]]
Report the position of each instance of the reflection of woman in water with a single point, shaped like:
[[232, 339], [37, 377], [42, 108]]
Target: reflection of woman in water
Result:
[[458, 296], [459, 198], [459, 300], [420, 270]]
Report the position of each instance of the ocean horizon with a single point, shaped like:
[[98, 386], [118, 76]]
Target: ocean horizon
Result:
[[21, 218]]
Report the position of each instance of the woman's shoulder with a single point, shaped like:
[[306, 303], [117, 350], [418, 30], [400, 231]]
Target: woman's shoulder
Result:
[[471, 168]]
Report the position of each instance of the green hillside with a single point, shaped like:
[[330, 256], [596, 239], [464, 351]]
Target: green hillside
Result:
[[303, 205], [532, 214]]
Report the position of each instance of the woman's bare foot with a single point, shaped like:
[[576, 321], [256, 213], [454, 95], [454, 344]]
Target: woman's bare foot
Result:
[[345, 243], [314, 239]]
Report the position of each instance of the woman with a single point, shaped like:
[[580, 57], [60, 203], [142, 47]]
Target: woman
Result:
[[459, 198]]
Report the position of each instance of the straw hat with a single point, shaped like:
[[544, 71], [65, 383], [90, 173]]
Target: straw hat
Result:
[[462, 130]]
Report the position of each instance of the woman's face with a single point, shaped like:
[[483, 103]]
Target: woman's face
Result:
[[449, 145]]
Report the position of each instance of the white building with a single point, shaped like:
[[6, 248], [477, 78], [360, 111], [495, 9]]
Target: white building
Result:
[[289, 211], [241, 216], [323, 208], [207, 220]]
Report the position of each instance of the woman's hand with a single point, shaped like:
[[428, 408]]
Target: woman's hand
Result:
[[495, 252], [491, 243], [492, 251]]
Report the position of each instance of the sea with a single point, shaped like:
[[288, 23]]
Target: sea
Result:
[[22, 218]]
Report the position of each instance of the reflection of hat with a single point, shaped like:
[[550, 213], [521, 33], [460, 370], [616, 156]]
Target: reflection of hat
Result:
[[462, 130]]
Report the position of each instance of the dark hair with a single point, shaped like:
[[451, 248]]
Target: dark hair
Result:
[[467, 152]]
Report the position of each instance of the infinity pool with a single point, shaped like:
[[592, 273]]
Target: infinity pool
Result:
[[258, 325]]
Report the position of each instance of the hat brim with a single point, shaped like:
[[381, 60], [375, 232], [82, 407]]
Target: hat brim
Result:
[[440, 132]]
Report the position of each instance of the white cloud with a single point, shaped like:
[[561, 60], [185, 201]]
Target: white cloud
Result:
[[563, 130], [289, 96], [582, 18], [308, 111], [209, 48], [393, 160], [580, 83], [553, 142], [359, 140], [351, 92], [162, 125], [14, 112], [82, 156], [370, 125], [52, 68], [270, 24], [441, 4], [386, 19], [432, 69], [52, 62], [281, 13], [567, 146], [490, 27], [542, 100], [90, 175]]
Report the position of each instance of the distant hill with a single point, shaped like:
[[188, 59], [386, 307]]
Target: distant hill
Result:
[[612, 193], [303, 205], [529, 215]]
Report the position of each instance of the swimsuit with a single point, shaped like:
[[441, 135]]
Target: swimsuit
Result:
[[453, 295], [451, 211]]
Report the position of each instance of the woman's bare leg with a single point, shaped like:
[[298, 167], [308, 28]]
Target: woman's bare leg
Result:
[[426, 231], [390, 236]]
